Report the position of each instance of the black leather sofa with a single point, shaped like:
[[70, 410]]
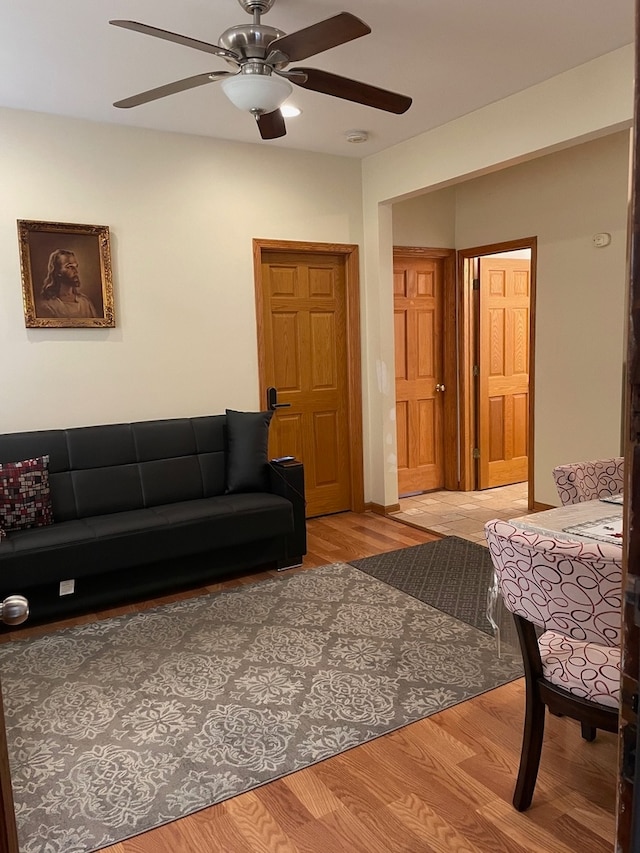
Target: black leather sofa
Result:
[[144, 508]]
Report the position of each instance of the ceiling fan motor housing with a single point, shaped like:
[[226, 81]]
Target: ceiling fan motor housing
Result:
[[251, 41]]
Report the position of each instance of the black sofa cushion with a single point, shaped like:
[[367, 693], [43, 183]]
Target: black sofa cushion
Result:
[[137, 537], [111, 489], [114, 467], [247, 449]]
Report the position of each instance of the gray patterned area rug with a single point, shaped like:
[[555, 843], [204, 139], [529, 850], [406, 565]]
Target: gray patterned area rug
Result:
[[121, 725], [451, 574]]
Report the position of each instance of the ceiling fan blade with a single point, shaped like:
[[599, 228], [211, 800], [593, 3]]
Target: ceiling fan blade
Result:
[[350, 90], [215, 49], [172, 88], [271, 125], [321, 36]]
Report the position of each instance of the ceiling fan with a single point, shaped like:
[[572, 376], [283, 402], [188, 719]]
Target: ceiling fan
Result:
[[260, 84]]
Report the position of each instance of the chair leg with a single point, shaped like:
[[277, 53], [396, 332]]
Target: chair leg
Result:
[[531, 750], [588, 732]]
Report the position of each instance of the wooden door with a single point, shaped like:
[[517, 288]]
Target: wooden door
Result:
[[303, 331], [503, 392], [420, 388]]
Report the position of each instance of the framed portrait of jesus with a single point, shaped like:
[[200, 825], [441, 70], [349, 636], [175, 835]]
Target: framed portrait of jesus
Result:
[[66, 275]]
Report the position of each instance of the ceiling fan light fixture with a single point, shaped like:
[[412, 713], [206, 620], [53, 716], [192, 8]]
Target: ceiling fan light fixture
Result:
[[289, 111], [256, 93]]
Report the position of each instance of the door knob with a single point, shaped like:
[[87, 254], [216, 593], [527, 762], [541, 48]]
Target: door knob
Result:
[[272, 400], [439, 387]]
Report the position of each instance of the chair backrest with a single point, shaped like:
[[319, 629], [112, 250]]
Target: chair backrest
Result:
[[573, 588], [585, 481]]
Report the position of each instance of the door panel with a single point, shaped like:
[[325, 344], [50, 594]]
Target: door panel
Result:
[[503, 399], [289, 428], [418, 322], [305, 357], [402, 425]]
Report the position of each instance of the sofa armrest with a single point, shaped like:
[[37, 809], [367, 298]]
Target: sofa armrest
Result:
[[287, 480]]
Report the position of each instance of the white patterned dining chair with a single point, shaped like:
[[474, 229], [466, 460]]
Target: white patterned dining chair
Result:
[[585, 481], [566, 600]]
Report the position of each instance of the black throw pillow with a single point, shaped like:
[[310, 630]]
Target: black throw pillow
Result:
[[247, 440]]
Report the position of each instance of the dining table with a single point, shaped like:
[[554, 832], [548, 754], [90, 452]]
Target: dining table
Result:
[[599, 519]]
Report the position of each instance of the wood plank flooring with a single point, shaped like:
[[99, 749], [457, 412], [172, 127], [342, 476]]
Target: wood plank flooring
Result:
[[441, 785]]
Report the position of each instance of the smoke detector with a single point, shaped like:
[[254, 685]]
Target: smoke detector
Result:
[[357, 136]]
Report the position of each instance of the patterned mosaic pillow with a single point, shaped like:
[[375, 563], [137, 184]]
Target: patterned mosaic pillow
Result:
[[25, 498]]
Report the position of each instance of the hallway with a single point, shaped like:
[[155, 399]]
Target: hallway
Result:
[[462, 514]]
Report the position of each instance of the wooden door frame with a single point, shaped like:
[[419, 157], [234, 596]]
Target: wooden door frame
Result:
[[467, 343], [350, 254], [8, 830], [450, 356]]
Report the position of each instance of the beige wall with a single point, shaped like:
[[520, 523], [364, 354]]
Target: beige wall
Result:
[[182, 213], [588, 102], [563, 199], [427, 220]]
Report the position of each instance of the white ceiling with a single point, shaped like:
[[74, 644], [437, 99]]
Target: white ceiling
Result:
[[450, 56]]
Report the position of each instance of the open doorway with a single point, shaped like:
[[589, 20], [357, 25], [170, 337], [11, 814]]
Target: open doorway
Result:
[[497, 291], [502, 288], [491, 451]]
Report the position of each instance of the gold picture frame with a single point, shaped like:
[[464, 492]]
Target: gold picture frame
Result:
[[66, 275]]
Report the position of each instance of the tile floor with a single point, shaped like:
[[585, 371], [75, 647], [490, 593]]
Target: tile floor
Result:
[[463, 513]]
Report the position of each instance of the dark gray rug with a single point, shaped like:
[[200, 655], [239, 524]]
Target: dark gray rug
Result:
[[124, 724], [451, 574]]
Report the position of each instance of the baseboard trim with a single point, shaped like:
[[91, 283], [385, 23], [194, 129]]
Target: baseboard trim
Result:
[[540, 507], [381, 510]]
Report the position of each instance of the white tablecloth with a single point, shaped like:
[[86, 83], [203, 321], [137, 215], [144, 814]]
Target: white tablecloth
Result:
[[556, 520]]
